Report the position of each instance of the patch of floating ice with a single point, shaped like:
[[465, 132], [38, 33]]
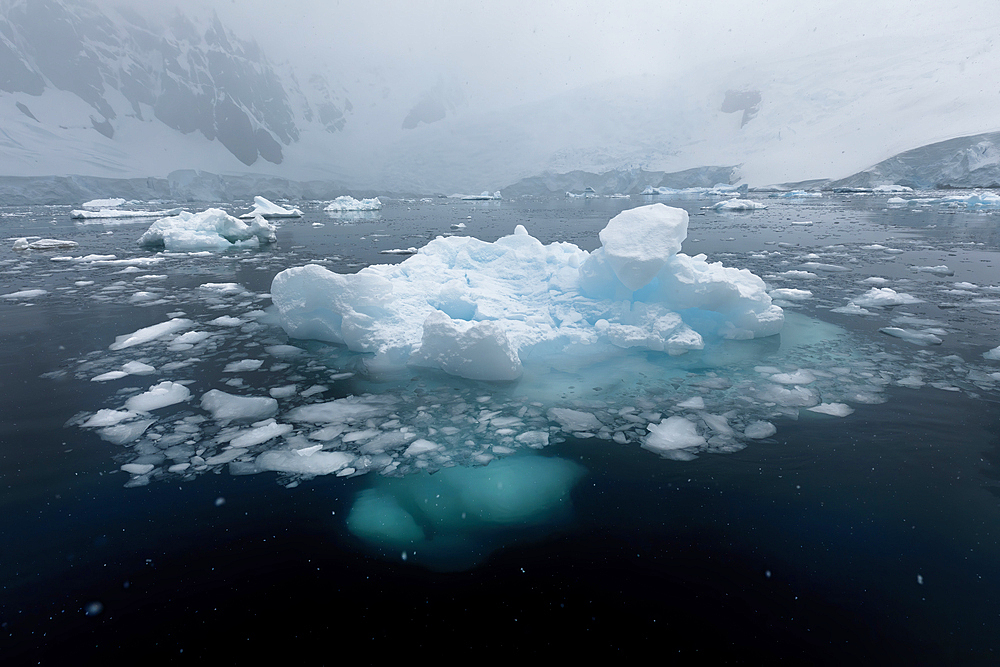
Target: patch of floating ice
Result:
[[941, 270], [993, 354], [104, 203], [106, 213], [884, 296], [268, 209], [915, 337], [25, 294], [43, 244], [736, 205], [833, 409], [212, 230], [346, 203], [150, 333], [159, 396]]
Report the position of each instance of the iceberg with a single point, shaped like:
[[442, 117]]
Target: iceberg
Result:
[[346, 203], [212, 229], [268, 209], [484, 196], [736, 205], [482, 311], [104, 203], [118, 213]]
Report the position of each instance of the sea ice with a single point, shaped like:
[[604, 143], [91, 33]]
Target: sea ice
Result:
[[149, 333], [671, 434], [736, 205], [346, 203], [227, 407], [43, 244], [118, 213], [993, 354], [159, 396], [883, 296], [212, 229], [267, 209], [915, 337], [478, 310]]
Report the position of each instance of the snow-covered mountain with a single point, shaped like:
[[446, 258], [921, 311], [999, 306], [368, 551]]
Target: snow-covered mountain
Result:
[[108, 92], [114, 94]]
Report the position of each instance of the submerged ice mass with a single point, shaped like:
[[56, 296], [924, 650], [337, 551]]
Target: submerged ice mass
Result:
[[484, 311]]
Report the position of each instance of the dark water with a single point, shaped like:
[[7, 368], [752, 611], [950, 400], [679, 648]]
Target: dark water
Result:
[[870, 538]]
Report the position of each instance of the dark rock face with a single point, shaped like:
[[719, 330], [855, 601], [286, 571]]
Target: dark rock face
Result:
[[191, 79], [747, 101]]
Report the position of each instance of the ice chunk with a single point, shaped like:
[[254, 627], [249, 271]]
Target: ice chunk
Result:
[[737, 205], [159, 396], [107, 417], [575, 421], [759, 430], [319, 463], [993, 354], [25, 294], [639, 241], [243, 365], [43, 244], [671, 434], [104, 203], [915, 337], [138, 468], [473, 350], [150, 333], [118, 213], [267, 209], [835, 409], [137, 368], [883, 296], [212, 229], [227, 407], [347, 203], [260, 434]]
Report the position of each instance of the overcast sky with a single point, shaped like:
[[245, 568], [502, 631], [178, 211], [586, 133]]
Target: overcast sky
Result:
[[523, 50]]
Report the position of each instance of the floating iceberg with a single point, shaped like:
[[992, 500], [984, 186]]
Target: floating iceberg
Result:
[[974, 201], [483, 310], [484, 196], [736, 205], [268, 209], [346, 203], [104, 203], [213, 229], [43, 244], [118, 213]]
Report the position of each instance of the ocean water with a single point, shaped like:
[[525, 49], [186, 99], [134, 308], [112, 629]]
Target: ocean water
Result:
[[871, 536]]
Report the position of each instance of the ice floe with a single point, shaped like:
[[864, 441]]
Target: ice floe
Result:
[[267, 209], [346, 203], [212, 229]]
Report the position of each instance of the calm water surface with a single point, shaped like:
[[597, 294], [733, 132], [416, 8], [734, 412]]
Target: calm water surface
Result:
[[872, 537]]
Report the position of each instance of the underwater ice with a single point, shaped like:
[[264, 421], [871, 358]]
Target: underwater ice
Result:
[[212, 229], [482, 310]]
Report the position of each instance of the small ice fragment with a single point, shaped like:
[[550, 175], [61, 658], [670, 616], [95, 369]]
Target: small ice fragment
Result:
[[759, 429], [243, 365], [834, 409], [150, 333], [159, 396], [915, 337], [137, 468], [671, 434], [695, 403]]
